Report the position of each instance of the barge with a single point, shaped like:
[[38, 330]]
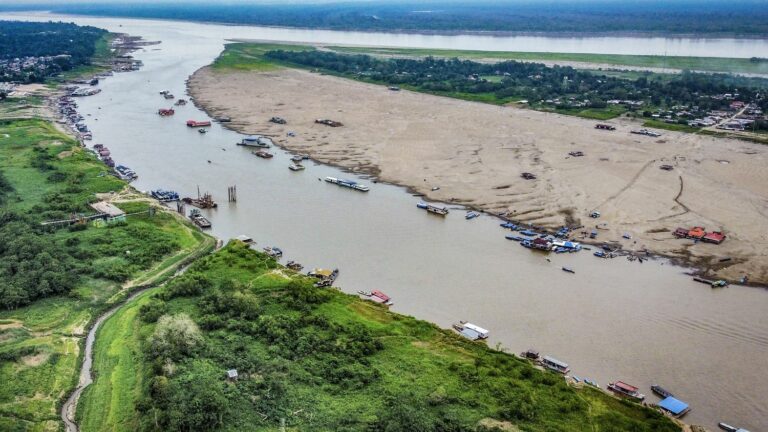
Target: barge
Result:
[[198, 219], [351, 184]]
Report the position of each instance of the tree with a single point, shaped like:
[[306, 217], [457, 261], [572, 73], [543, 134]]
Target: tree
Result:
[[175, 337]]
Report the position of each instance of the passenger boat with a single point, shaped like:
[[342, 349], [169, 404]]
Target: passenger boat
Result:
[[556, 365], [274, 252], [263, 154], [471, 215], [296, 167], [257, 141], [348, 184], [471, 331], [660, 391], [623, 389], [438, 210], [568, 270], [194, 123]]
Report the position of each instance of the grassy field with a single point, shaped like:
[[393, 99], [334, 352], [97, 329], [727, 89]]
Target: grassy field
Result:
[[658, 124], [323, 360], [50, 177], [99, 62], [710, 64], [249, 57]]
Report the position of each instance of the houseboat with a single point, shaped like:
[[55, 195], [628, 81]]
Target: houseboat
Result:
[[263, 154], [674, 407], [256, 141], [348, 184], [623, 389], [438, 210], [471, 331], [556, 365], [327, 277], [194, 123]]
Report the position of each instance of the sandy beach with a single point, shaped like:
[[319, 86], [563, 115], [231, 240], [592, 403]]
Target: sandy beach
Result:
[[475, 153]]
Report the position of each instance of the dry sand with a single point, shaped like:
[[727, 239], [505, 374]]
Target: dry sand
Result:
[[476, 152]]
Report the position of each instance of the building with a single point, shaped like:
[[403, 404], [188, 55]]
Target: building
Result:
[[232, 374], [109, 212]]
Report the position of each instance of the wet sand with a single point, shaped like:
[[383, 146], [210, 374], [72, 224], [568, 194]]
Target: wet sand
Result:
[[476, 152]]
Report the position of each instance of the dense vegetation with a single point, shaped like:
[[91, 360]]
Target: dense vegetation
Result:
[[54, 281], [318, 359], [744, 17], [565, 88], [31, 51]]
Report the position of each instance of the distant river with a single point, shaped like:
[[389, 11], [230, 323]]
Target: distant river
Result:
[[611, 320]]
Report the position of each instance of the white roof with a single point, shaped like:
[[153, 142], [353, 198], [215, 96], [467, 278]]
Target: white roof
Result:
[[244, 238], [478, 329]]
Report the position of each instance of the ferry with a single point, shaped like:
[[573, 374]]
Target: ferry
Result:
[[471, 331], [348, 184], [441, 211], [296, 167], [623, 389], [256, 141], [263, 154], [194, 123], [556, 365]]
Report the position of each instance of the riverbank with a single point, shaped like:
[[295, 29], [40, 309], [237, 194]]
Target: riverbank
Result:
[[475, 154]]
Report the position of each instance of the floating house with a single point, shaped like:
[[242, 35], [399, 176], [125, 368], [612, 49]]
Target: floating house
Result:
[[674, 407], [555, 365], [715, 237], [696, 233]]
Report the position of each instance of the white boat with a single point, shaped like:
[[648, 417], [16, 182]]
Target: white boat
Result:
[[348, 184], [296, 167]]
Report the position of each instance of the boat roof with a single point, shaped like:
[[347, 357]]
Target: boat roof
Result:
[[379, 294], [469, 333], [555, 361], [322, 272], [624, 386], [673, 405], [476, 328]]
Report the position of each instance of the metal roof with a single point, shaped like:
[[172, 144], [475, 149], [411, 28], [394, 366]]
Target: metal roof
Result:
[[673, 405]]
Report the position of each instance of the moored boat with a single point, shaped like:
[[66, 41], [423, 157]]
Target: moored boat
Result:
[[263, 154], [729, 428], [327, 277], [471, 215], [194, 123], [568, 270], [660, 391], [163, 112], [293, 265], [164, 195], [556, 365], [257, 141], [273, 251], [351, 184], [198, 219], [627, 390], [202, 131], [296, 167], [470, 331], [431, 208]]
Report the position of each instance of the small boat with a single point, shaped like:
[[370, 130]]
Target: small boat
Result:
[[377, 297], [660, 391], [293, 265], [509, 225], [592, 383], [198, 219], [180, 102], [729, 428], [470, 331], [568, 270], [327, 277], [441, 211], [194, 123], [163, 112], [623, 389], [202, 131], [471, 215], [274, 252], [256, 141], [169, 96], [263, 154], [297, 159], [296, 167], [164, 195], [514, 238], [528, 233], [600, 254]]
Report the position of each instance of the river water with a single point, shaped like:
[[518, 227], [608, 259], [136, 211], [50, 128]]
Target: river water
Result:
[[613, 319]]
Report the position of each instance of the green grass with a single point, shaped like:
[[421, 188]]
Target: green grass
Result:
[[99, 62], [658, 124], [444, 377], [249, 57], [48, 332], [710, 64]]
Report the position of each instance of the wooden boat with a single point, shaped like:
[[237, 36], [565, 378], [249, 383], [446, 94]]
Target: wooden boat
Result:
[[568, 270], [623, 389], [163, 112], [660, 391], [202, 131], [293, 265], [195, 123]]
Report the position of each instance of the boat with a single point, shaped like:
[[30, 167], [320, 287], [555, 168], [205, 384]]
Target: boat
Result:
[[674, 407], [377, 297], [163, 112], [125, 173], [556, 365], [263, 154], [514, 237], [297, 158], [257, 141], [729, 428], [198, 219], [195, 123], [327, 277], [528, 233], [296, 167], [438, 210], [348, 184], [274, 252], [568, 270], [180, 102], [164, 195], [623, 389], [600, 254], [169, 96], [203, 202], [590, 382], [509, 225], [471, 215], [293, 265], [660, 391], [470, 331], [202, 131]]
